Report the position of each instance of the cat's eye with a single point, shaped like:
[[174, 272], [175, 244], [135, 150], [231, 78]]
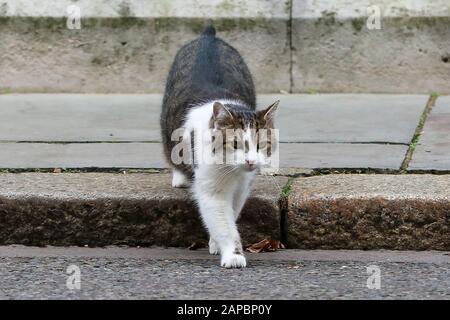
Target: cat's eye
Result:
[[235, 145], [247, 148], [262, 144]]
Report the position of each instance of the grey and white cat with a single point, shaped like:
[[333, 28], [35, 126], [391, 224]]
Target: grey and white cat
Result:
[[210, 89]]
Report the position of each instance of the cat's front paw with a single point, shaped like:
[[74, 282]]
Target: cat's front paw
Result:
[[233, 261], [213, 247], [179, 180]]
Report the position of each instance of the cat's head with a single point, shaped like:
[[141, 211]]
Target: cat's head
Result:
[[247, 136]]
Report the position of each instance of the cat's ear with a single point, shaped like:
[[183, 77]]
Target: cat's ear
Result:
[[219, 110], [270, 112]]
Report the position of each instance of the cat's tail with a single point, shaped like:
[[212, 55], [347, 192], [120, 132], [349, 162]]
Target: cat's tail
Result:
[[206, 69], [209, 31]]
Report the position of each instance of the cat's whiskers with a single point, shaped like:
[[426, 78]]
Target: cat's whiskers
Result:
[[229, 170], [273, 180]]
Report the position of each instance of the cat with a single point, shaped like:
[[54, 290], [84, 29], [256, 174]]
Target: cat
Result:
[[210, 89]]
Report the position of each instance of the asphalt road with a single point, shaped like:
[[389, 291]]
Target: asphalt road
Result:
[[130, 273]]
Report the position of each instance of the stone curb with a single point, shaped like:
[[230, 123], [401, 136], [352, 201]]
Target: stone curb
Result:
[[400, 212], [354, 211], [116, 209]]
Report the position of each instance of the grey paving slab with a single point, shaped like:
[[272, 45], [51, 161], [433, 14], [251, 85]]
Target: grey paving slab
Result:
[[149, 155], [433, 150], [348, 117], [340, 155], [302, 118], [79, 117], [135, 118], [81, 155]]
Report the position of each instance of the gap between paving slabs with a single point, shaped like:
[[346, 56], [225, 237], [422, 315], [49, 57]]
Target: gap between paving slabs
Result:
[[283, 204], [417, 134]]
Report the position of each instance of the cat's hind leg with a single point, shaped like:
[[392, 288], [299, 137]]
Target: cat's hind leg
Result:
[[179, 179]]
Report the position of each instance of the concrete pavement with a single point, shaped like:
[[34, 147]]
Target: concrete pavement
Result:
[[130, 273], [319, 134], [359, 131]]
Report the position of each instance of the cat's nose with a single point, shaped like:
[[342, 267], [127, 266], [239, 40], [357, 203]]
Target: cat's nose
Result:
[[250, 162]]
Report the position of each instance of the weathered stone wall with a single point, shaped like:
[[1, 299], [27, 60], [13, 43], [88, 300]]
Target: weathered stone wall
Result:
[[293, 45]]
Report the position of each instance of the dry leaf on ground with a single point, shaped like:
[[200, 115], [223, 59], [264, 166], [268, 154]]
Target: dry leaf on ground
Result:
[[266, 245], [199, 244]]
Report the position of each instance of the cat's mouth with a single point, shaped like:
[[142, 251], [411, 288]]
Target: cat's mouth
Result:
[[250, 166]]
